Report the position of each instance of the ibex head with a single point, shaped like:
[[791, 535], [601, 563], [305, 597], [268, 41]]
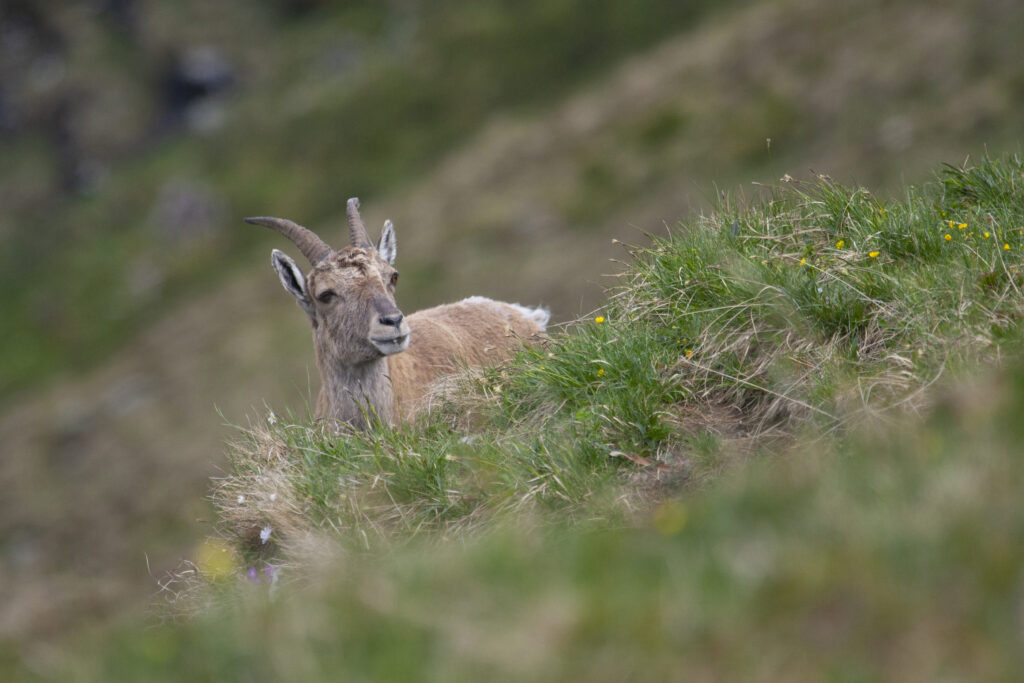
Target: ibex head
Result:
[[349, 295]]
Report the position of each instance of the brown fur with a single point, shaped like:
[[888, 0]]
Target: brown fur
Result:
[[470, 333]]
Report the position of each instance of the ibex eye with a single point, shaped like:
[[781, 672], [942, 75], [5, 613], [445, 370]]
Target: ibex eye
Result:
[[326, 296], [394, 278]]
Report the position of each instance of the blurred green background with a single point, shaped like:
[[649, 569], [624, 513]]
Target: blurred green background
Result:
[[508, 140]]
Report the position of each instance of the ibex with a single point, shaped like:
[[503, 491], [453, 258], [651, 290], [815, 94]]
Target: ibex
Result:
[[374, 362]]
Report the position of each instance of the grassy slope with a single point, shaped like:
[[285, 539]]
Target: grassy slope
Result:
[[815, 308], [565, 517], [111, 465]]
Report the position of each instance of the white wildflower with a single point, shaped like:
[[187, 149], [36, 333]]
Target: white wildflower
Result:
[[265, 534]]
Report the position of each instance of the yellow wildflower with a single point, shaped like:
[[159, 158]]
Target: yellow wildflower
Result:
[[1006, 247], [670, 517], [688, 352], [600, 372], [961, 226], [599, 319], [803, 261], [873, 254], [948, 237], [952, 225], [840, 243], [216, 559], [986, 234]]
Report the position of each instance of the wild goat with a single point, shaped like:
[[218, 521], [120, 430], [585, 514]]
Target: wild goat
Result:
[[374, 361]]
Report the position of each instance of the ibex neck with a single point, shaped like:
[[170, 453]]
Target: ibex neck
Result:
[[356, 394]]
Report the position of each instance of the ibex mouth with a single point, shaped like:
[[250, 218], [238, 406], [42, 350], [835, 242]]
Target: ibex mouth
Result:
[[391, 345]]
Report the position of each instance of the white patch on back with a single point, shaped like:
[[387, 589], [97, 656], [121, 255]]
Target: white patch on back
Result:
[[477, 300], [539, 315]]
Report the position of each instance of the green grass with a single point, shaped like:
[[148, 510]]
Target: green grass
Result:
[[723, 474]]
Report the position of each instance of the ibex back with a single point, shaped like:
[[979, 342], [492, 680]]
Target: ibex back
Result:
[[374, 362]]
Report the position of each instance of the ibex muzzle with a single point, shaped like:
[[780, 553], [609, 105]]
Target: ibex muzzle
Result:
[[390, 332]]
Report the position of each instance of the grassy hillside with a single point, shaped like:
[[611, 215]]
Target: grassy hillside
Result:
[[816, 308], [138, 310], [724, 464]]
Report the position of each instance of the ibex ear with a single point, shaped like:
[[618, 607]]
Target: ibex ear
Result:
[[388, 247], [292, 279]]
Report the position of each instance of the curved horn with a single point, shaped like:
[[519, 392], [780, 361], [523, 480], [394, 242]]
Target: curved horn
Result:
[[356, 230], [311, 246]]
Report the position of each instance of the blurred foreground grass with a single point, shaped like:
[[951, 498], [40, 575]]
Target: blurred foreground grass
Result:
[[894, 556], [724, 475]]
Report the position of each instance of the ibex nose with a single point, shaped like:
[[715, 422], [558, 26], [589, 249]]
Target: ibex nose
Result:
[[391, 319]]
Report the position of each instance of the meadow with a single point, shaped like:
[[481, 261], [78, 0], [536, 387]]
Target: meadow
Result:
[[766, 334], [784, 448]]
